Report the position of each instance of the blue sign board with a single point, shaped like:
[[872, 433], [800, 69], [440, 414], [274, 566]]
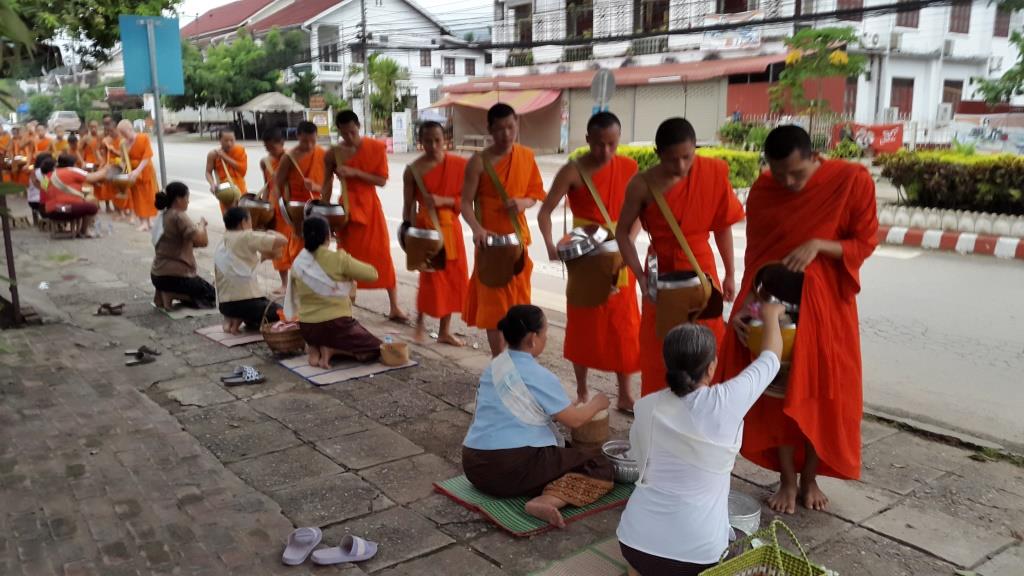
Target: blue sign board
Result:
[[135, 49], [23, 108]]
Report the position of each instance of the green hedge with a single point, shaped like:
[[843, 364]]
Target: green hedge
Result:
[[958, 181], [744, 167]]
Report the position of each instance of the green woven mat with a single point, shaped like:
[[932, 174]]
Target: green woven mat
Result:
[[510, 513]]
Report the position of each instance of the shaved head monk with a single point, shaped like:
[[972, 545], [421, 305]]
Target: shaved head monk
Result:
[[139, 154], [442, 291], [362, 165], [701, 202], [299, 177], [817, 217], [273, 142], [603, 337], [227, 162], [502, 182]]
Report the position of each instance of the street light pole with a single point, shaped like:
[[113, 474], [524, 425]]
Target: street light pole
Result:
[[151, 36]]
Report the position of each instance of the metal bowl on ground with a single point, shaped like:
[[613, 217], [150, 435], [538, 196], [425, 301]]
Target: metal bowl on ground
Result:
[[627, 471], [260, 211], [496, 240], [744, 512]]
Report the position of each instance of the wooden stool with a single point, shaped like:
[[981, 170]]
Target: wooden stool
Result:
[[63, 229], [165, 300]]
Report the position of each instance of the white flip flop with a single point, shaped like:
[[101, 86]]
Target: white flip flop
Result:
[[352, 549], [301, 543]]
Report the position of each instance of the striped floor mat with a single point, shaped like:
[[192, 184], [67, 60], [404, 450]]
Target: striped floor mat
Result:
[[510, 513]]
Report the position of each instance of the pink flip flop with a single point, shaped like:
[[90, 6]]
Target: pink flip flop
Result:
[[300, 545], [352, 549]]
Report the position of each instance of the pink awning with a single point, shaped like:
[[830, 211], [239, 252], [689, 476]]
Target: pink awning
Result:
[[523, 101]]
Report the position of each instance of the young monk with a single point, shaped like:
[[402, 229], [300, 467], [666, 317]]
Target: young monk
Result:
[[23, 145], [227, 162], [518, 173], [603, 337], [816, 216], [362, 165], [115, 156], [5, 152], [42, 142], [60, 143], [273, 142], [702, 201], [143, 176], [441, 292], [74, 150], [299, 177]]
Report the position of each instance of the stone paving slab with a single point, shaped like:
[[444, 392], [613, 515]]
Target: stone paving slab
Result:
[[248, 441], [452, 561], [855, 501], [860, 552], [329, 500], [285, 468], [401, 533], [410, 479], [368, 448], [1009, 562], [939, 534]]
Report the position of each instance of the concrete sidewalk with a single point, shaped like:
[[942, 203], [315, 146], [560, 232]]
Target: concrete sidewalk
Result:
[[159, 469]]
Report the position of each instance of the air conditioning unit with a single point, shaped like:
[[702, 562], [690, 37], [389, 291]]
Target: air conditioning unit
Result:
[[382, 39], [896, 41], [870, 41], [945, 112], [947, 48], [995, 64], [438, 73], [890, 115]]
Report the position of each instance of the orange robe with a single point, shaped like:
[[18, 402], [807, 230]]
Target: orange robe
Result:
[[605, 337], [823, 400], [143, 192], [284, 261], [366, 236], [44, 145], [444, 292], [5, 142], [26, 149], [237, 153], [702, 202], [312, 166], [91, 155], [518, 172], [59, 147], [121, 202]]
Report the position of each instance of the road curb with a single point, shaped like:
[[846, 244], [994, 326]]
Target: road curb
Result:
[[1004, 247]]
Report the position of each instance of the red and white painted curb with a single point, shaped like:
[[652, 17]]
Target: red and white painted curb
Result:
[[962, 242]]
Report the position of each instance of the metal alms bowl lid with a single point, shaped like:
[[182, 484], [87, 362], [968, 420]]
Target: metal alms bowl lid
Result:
[[324, 209], [423, 233], [498, 240], [225, 186], [581, 241], [676, 280], [252, 201]]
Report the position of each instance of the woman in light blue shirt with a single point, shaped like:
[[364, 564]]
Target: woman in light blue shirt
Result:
[[513, 448]]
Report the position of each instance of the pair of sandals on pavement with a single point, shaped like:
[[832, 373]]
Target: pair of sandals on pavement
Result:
[[143, 355], [108, 309], [303, 542], [243, 375]]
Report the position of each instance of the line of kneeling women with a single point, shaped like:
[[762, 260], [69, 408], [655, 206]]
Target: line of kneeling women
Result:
[[685, 440]]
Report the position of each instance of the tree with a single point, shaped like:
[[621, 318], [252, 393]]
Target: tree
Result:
[[40, 107], [814, 54], [16, 42], [304, 86], [1011, 83], [94, 22], [384, 74]]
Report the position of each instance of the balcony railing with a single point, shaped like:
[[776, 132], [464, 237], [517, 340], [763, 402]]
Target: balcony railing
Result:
[[520, 58], [652, 45], [578, 53]]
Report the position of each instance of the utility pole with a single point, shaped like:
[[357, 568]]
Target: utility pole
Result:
[[366, 120]]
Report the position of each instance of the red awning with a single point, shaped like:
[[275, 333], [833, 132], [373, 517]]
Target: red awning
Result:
[[660, 74], [524, 101]]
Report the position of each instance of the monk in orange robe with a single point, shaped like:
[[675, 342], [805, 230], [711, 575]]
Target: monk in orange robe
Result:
[[227, 162], [5, 152], [42, 142], [114, 156], [300, 178], [604, 337], [60, 143], [702, 201], [818, 217], [21, 145], [143, 175], [273, 142], [518, 173], [441, 292], [362, 165]]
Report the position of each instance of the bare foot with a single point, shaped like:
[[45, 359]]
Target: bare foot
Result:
[[451, 340], [582, 398], [398, 317], [325, 359], [540, 508], [314, 356], [811, 496], [420, 336], [143, 228], [784, 500]]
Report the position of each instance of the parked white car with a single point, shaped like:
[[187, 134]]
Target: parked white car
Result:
[[67, 120]]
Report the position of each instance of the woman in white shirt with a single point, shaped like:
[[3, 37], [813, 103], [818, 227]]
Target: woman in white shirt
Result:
[[686, 439]]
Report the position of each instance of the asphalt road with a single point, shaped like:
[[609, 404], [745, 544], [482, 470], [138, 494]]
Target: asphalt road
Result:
[[942, 334]]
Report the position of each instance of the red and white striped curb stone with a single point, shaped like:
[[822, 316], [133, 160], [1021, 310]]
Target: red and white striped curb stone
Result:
[[962, 242]]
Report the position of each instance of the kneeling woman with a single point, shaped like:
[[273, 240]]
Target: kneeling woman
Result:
[[175, 237], [320, 290], [686, 439], [513, 448], [235, 261], [65, 200]]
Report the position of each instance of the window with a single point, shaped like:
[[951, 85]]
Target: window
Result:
[[424, 58], [908, 18], [851, 5], [960, 16], [435, 95], [902, 96], [470, 65], [1002, 27], [579, 19], [650, 15], [737, 6], [449, 65], [523, 15], [358, 55], [952, 92], [487, 57]]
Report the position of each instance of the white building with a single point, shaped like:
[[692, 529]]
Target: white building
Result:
[[398, 29]]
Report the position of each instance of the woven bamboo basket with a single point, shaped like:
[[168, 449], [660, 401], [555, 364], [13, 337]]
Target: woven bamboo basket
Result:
[[284, 343], [768, 559]]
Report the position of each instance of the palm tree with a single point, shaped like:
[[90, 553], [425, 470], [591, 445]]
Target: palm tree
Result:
[[15, 38], [384, 74]]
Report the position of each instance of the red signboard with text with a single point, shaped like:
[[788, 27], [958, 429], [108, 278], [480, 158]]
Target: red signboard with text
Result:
[[880, 138]]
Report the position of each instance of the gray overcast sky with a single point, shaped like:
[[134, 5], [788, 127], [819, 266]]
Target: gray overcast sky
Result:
[[449, 11]]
